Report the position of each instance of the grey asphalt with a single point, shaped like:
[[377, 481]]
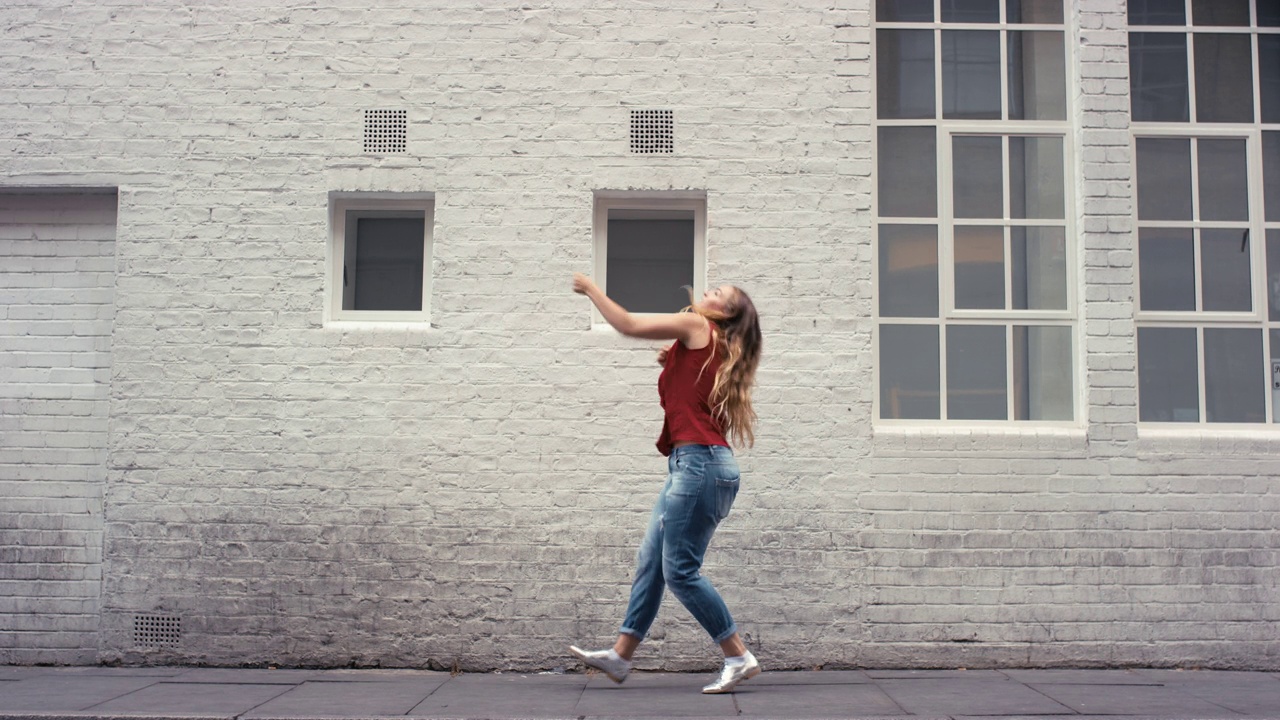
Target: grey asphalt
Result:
[[184, 692]]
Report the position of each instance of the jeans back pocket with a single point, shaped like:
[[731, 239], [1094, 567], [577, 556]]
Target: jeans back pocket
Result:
[[727, 479]]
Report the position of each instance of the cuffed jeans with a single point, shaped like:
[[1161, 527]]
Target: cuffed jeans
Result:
[[702, 482]]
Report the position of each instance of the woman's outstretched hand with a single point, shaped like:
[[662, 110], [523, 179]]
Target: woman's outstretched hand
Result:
[[662, 355], [582, 284]]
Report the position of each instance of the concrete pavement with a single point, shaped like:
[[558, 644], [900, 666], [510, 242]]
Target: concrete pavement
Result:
[[181, 692]]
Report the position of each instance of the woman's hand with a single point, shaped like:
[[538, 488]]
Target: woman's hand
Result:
[[582, 284], [662, 355]]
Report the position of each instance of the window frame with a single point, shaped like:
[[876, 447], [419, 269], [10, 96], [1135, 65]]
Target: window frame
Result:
[[681, 201], [344, 210]]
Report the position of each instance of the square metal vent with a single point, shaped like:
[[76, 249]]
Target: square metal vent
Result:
[[652, 131], [384, 130], [151, 630]]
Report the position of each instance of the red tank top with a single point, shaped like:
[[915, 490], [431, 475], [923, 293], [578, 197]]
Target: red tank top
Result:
[[684, 388]]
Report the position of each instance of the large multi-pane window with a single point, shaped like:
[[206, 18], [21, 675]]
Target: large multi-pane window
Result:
[[975, 299], [1205, 88]]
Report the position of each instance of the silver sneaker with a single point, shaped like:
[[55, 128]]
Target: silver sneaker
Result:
[[731, 675], [616, 669]]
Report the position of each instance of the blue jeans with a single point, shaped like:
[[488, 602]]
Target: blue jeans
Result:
[[702, 482]]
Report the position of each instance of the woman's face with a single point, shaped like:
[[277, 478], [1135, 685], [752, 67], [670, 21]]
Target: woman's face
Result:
[[718, 299]]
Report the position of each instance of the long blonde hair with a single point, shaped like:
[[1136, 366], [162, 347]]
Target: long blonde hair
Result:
[[736, 334]]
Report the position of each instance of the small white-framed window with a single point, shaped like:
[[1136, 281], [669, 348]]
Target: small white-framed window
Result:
[[650, 247], [380, 257]]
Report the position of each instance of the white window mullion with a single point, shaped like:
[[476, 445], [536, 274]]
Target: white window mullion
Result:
[[1009, 373], [1200, 376]]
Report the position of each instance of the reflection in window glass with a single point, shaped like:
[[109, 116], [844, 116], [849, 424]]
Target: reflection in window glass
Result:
[[1273, 280], [1038, 259], [971, 74], [1166, 269], [1224, 186], [1273, 374], [971, 11], [1271, 175], [976, 374], [904, 74], [1233, 376], [1035, 11], [1157, 12], [904, 10], [978, 182], [979, 265], [1220, 12], [1224, 270], [1042, 379], [1036, 178], [1158, 82], [907, 172], [388, 268], [908, 271], [649, 261], [1164, 179], [1037, 76], [1269, 76], [1224, 77], [1168, 381], [909, 372]]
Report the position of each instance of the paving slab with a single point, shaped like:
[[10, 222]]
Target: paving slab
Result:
[[653, 695], [1081, 677], [48, 694], [1249, 693], [504, 696], [323, 699], [244, 676], [815, 701], [807, 677], [955, 696], [171, 698], [934, 674], [350, 675], [1158, 700]]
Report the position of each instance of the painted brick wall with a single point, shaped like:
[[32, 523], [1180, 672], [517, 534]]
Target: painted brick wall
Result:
[[57, 273], [473, 492]]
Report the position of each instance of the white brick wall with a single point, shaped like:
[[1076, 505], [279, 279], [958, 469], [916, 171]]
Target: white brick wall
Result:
[[474, 492], [57, 271]]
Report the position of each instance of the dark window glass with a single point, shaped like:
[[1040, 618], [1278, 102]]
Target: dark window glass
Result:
[[971, 11], [1224, 78], [1164, 179], [1037, 76], [1224, 179], [977, 187], [904, 10], [1158, 77], [1038, 267], [1042, 378], [1224, 270], [1166, 269], [1157, 12], [1271, 175], [1269, 16], [1233, 376], [1269, 77], [1273, 283], [1035, 11], [1229, 13], [1036, 178], [907, 169], [971, 74], [904, 74], [908, 280], [649, 260], [910, 376], [388, 269], [979, 264], [977, 384], [1168, 375]]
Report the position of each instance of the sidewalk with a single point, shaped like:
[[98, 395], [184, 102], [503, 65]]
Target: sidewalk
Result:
[[177, 692]]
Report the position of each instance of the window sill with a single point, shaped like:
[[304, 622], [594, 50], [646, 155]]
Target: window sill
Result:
[[387, 325]]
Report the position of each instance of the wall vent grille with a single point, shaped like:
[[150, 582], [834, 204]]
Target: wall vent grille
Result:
[[384, 131], [150, 630], [652, 131]]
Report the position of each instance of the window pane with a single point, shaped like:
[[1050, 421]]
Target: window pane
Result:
[[904, 73], [904, 10], [1269, 77], [971, 74], [1233, 375], [1271, 174], [1164, 179], [1043, 383], [976, 376], [1036, 178], [1039, 267], [977, 186], [1220, 12], [909, 372], [1157, 12], [1037, 76], [908, 284], [979, 261], [1274, 375], [908, 172], [1158, 77], [649, 262], [1224, 270], [1273, 282], [1168, 375], [971, 11], [1035, 11], [1224, 182], [389, 259], [1224, 78], [1269, 13], [1166, 269]]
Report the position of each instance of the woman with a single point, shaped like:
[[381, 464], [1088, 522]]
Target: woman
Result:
[[705, 390]]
